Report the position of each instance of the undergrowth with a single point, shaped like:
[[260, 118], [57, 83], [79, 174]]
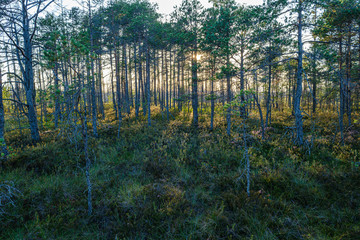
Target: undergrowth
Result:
[[170, 181]]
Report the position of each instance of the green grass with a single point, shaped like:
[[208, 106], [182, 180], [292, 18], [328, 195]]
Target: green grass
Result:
[[168, 181]]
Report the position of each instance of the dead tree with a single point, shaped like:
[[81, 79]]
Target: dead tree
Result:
[[19, 23]]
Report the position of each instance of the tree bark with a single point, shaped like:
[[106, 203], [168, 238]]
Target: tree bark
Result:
[[29, 77], [112, 81], [100, 98], [126, 80], [3, 148], [118, 98], [194, 77], [268, 100], [297, 102], [341, 85], [348, 77], [56, 96], [212, 79], [93, 94], [148, 94], [136, 85]]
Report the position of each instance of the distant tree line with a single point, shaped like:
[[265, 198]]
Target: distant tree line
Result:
[[302, 55]]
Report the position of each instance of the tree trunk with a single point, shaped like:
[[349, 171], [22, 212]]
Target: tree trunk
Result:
[[155, 78], [136, 85], [229, 97], [348, 77], [3, 149], [112, 81], [148, 83], [297, 102], [100, 98], [260, 111], [212, 79], [314, 83], [56, 95], [268, 100], [87, 158], [126, 80], [93, 93], [141, 81], [29, 78], [118, 98], [194, 77], [289, 89], [173, 85], [170, 77], [242, 80], [167, 88], [341, 83]]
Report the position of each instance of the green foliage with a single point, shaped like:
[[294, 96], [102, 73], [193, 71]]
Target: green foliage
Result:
[[241, 100], [228, 71], [211, 97], [6, 152]]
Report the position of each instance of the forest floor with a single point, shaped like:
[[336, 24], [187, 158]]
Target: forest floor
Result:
[[168, 181]]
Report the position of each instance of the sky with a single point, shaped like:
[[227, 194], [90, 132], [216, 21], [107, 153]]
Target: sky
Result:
[[167, 6]]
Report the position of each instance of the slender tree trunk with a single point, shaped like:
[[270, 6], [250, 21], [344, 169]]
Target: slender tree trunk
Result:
[[67, 75], [136, 85], [101, 102], [229, 94], [182, 93], [56, 96], [93, 93], [87, 158], [159, 79], [314, 71], [118, 98], [242, 80], [194, 77], [126, 80], [130, 80], [3, 148], [260, 111], [178, 84], [148, 83], [170, 77], [289, 89], [112, 81], [173, 85], [161, 96], [141, 81], [268, 100], [29, 78], [341, 83], [358, 95], [314, 83], [348, 77], [167, 87], [212, 79], [41, 100], [155, 78], [297, 102]]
